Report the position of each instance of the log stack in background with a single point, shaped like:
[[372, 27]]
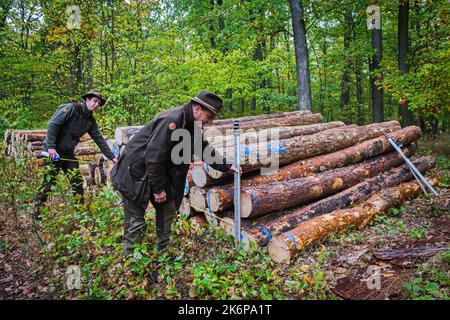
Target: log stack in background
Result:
[[29, 143], [324, 167]]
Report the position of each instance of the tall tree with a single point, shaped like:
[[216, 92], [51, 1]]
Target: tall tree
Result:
[[375, 90], [406, 116], [345, 78], [304, 101]]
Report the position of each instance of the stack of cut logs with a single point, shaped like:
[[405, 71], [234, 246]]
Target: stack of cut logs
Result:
[[29, 143], [302, 178], [330, 176]]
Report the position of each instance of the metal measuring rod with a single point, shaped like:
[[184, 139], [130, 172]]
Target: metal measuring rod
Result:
[[416, 173], [237, 183]]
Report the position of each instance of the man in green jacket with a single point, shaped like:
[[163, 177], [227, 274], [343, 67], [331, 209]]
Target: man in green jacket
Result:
[[148, 171], [67, 125]]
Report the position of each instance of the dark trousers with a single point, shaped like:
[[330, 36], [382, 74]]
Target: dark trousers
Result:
[[134, 223], [51, 170]]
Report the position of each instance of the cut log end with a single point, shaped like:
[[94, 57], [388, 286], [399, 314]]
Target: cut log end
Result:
[[279, 251], [227, 224], [213, 173], [199, 176], [198, 221], [185, 208], [246, 204], [197, 198], [214, 201]]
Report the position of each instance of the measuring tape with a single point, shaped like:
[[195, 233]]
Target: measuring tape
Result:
[[58, 158]]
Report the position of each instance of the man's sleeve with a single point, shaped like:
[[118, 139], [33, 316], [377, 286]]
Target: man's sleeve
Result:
[[61, 116], [100, 141], [222, 166], [157, 154]]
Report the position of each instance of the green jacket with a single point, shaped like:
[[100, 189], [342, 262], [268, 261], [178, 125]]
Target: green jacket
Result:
[[67, 125], [145, 167]]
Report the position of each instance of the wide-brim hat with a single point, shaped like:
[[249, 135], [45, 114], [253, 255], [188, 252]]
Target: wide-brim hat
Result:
[[94, 93], [209, 100]]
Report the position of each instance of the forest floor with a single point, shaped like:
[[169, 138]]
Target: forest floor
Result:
[[202, 263]]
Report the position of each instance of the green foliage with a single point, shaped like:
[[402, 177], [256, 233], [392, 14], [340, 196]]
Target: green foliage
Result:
[[431, 281], [149, 56]]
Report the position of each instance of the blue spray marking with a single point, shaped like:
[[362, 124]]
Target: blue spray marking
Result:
[[292, 238], [265, 231], [186, 187], [255, 201], [229, 190], [208, 200], [276, 148]]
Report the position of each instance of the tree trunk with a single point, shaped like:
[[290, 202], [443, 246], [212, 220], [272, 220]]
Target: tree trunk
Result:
[[402, 253], [376, 93], [360, 192], [264, 199], [345, 78], [359, 93], [284, 247], [406, 115], [301, 55], [221, 200]]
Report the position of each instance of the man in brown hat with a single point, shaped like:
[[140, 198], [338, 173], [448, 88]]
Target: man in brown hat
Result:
[[67, 125], [146, 170]]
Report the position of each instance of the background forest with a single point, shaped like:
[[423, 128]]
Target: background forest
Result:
[[149, 55], [261, 56]]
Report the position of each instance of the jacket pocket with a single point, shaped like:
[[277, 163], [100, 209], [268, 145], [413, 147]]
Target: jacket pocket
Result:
[[132, 187]]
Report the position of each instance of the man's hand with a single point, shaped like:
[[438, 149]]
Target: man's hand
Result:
[[52, 153], [160, 197], [233, 169], [114, 160]]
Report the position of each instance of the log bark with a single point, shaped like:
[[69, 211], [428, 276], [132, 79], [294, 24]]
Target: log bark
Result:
[[260, 117], [401, 253], [32, 137], [107, 166], [290, 120], [260, 200], [221, 200], [264, 230], [34, 146], [85, 150], [290, 150], [89, 157], [284, 247], [188, 183], [278, 133]]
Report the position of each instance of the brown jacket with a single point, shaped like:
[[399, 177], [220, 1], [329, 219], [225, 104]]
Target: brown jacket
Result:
[[146, 168]]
